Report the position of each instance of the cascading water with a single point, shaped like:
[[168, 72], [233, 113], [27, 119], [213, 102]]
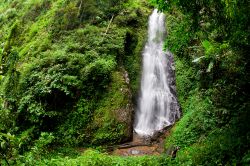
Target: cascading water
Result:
[[157, 104]]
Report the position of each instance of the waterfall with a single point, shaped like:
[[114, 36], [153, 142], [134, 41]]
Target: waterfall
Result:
[[157, 104]]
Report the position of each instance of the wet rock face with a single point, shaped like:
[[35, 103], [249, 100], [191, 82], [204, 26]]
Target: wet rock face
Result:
[[172, 84], [125, 114], [112, 123], [157, 104]]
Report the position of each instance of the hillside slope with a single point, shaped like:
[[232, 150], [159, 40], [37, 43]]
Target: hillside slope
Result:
[[69, 71], [210, 41]]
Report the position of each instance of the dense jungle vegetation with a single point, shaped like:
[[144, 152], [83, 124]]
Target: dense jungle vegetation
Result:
[[210, 40], [70, 73]]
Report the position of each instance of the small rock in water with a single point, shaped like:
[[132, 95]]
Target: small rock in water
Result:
[[135, 152]]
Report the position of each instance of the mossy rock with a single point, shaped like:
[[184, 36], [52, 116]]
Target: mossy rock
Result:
[[113, 117]]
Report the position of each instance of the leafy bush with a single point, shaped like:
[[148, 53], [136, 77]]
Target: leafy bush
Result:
[[7, 147], [36, 9], [60, 79], [43, 142], [76, 128], [92, 157]]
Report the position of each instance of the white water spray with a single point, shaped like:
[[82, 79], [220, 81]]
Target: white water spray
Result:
[[157, 105]]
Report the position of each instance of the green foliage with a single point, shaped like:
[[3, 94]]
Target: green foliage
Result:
[[92, 157], [186, 80], [110, 132], [179, 33], [132, 59], [62, 70], [63, 81], [197, 122], [208, 135], [211, 70], [109, 122], [222, 145], [43, 142], [35, 9], [50, 82], [76, 129]]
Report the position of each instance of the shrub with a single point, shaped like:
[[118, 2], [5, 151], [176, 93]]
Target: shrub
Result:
[[48, 83]]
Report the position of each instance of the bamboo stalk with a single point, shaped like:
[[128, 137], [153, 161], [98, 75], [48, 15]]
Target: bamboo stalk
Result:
[[108, 27]]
